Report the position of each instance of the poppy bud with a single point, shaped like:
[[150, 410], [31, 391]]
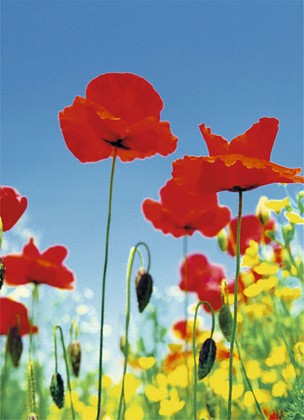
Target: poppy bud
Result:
[[225, 321], [74, 352], [57, 390], [288, 232], [206, 358], [222, 240], [14, 345], [144, 287], [2, 273]]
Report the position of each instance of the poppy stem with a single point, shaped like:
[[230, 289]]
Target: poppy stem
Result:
[[185, 257], [235, 303], [132, 253], [201, 302], [66, 364], [104, 286]]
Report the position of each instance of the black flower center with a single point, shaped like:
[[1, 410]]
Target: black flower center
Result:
[[117, 143]]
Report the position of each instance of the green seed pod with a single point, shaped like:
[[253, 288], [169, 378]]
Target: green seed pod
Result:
[[57, 390], [14, 345], [206, 358], [226, 321], [144, 288], [74, 352]]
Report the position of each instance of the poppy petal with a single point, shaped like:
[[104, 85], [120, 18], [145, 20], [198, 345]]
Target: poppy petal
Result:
[[55, 254], [12, 207], [147, 138], [14, 314], [84, 136], [258, 141], [126, 95]]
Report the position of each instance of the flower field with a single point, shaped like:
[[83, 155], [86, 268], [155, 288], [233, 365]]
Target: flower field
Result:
[[235, 353]]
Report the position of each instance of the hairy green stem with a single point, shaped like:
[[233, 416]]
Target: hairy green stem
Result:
[[100, 368], [128, 306], [66, 363], [235, 303], [201, 302]]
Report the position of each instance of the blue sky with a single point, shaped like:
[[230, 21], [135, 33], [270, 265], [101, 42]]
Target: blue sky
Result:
[[224, 63]]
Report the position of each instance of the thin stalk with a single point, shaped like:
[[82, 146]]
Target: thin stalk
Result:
[[235, 303], [202, 302], [66, 364], [128, 306], [104, 286], [248, 380]]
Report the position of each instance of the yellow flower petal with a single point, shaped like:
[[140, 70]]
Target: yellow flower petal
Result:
[[266, 269], [146, 362], [294, 218], [277, 205]]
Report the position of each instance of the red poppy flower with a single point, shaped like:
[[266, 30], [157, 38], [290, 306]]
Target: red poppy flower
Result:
[[120, 114], [45, 268], [180, 213], [243, 164], [12, 206], [203, 278], [252, 229], [183, 329], [14, 314]]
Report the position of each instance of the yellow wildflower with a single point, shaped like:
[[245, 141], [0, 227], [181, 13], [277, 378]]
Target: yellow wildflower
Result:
[[146, 362], [262, 395], [155, 394], [288, 294], [289, 373], [171, 406], [269, 377], [131, 385], [135, 412], [294, 218], [253, 369], [251, 256], [277, 205], [179, 377], [266, 269], [279, 389], [278, 356]]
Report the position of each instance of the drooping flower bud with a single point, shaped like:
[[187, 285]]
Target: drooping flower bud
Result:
[[74, 353], [57, 390], [206, 358], [226, 321], [14, 345], [144, 288]]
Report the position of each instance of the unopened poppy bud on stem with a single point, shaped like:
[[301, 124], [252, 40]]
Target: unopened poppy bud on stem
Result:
[[57, 390], [226, 321], [206, 358], [144, 288], [14, 345], [74, 353]]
